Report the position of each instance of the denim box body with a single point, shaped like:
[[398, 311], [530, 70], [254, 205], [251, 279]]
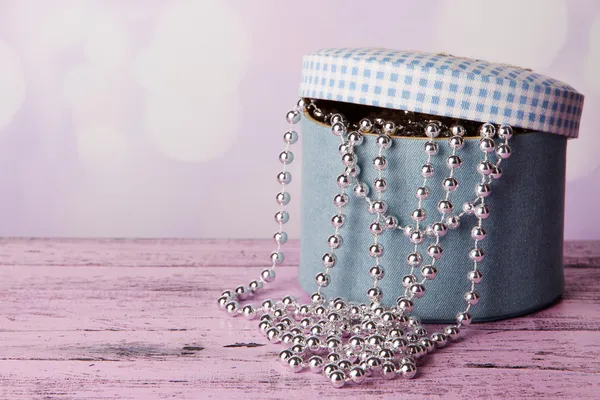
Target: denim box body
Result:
[[523, 269]]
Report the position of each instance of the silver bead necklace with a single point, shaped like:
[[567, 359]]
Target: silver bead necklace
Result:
[[349, 342]]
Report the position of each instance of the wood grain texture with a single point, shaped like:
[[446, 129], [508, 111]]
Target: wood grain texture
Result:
[[136, 319]]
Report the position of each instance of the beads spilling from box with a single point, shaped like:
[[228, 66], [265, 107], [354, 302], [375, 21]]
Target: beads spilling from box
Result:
[[350, 342]]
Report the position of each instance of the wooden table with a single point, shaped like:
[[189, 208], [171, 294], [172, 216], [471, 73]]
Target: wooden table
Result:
[[137, 319]]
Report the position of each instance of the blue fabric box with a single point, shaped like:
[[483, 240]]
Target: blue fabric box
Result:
[[523, 269]]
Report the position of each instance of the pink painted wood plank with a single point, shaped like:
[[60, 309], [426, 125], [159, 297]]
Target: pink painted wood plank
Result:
[[100, 319]]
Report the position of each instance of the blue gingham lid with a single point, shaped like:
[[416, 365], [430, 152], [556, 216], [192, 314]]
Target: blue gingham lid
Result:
[[444, 85]]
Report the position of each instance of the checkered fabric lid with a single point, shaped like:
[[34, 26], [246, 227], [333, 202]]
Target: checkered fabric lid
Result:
[[444, 85]]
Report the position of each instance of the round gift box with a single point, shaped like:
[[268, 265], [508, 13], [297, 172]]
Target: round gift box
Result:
[[523, 268]]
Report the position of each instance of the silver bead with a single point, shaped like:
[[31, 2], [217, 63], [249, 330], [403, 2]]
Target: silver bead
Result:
[[286, 157], [333, 343], [277, 257], [353, 171], [376, 272], [445, 206], [338, 129], [376, 229], [483, 190], [290, 137], [427, 171], [280, 237], [395, 332], [384, 141], [487, 130], [328, 369], [429, 272], [417, 289], [286, 337], [387, 317], [418, 215], [380, 184], [482, 211], [317, 298], [242, 292], [374, 294], [379, 163], [487, 145], [283, 198], [223, 300], [322, 279], [389, 128], [505, 132], [338, 220], [284, 178], [468, 208], [357, 375], [485, 168], [302, 104], [399, 344], [348, 159], [329, 260], [458, 130], [343, 181], [264, 326], [284, 356], [365, 125], [344, 148], [232, 308], [428, 344], [475, 276], [416, 237], [335, 118], [472, 297], [295, 363], [440, 339], [439, 229], [314, 345], [282, 217], [414, 259], [432, 130], [422, 193], [338, 379], [292, 117], [405, 304], [435, 251], [334, 241], [361, 190], [408, 280], [454, 161], [374, 363], [464, 318], [496, 172], [267, 275], [391, 222], [315, 363], [334, 358], [450, 184], [503, 151], [355, 138], [408, 370], [476, 254], [299, 350], [340, 199], [289, 301], [453, 221], [388, 370], [376, 250], [344, 364], [267, 305], [378, 207], [478, 233], [431, 148]]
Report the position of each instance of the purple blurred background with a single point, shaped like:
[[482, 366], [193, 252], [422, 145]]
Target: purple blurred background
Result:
[[158, 118]]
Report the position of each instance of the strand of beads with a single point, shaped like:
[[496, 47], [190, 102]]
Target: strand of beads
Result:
[[229, 299], [340, 200], [481, 210], [414, 289], [379, 208]]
